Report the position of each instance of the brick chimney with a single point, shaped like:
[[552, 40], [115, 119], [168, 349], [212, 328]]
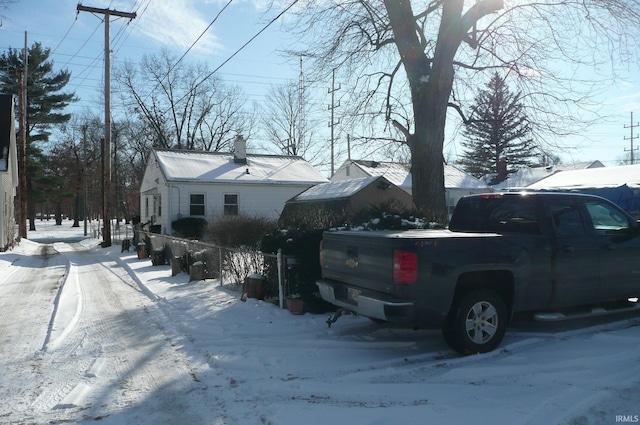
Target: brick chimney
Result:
[[502, 171], [240, 150]]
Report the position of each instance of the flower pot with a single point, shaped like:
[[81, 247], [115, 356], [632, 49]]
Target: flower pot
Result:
[[295, 305]]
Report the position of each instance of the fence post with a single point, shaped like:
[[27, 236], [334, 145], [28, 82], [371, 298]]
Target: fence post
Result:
[[280, 277]]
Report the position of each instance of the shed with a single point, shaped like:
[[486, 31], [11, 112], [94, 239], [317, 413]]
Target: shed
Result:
[[457, 182], [333, 203]]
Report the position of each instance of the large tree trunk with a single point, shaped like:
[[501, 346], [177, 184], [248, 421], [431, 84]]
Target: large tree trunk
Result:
[[431, 82]]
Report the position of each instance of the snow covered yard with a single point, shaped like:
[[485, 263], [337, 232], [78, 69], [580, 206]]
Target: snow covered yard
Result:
[[128, 343]]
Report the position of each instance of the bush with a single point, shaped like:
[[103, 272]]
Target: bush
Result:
[[189, 227], [239, 231], [301, 276], [387, 216]]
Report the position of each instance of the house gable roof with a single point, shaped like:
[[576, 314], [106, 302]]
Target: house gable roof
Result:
[[216, 167], [399, 174]]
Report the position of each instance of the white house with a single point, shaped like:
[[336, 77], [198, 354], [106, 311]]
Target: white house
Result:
[[180, 183], [8, 172], [457, 183]]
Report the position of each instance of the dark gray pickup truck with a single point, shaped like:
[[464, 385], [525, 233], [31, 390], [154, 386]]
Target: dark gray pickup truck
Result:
[[554, 254]]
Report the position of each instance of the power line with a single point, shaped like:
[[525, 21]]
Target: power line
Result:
[[188, 50], [236, 52]]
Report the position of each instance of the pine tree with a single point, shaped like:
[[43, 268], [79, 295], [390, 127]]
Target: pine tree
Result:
[[498, 131], [45, 100]]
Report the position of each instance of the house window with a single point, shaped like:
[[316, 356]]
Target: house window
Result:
[[146, 206], [231, 204], [159, 205], [196, 204]]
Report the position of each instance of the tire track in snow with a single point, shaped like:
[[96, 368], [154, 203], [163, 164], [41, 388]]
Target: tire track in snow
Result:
[[115, 352]]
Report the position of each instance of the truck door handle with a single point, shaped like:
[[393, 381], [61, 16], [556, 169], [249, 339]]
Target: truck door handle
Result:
[[609, 247], [567, 248]]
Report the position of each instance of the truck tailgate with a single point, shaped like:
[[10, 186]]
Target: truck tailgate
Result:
[[359, 260]]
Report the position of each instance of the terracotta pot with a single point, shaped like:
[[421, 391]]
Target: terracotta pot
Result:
[[295, 305]]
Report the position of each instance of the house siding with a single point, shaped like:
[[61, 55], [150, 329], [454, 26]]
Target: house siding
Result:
[[8, 173], [257, 199]]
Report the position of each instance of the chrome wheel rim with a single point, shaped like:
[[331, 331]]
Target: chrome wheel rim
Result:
[[481, 322]]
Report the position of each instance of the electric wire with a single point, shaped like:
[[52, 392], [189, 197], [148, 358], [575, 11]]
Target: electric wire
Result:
[[271, 22], [187, 51]]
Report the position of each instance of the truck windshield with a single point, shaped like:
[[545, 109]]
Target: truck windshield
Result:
[[501, 215]]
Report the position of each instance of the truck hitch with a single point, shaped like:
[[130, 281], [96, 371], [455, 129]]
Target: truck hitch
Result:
[[339, 312]]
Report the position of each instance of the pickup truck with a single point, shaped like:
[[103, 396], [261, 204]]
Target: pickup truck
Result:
[[553, 254]]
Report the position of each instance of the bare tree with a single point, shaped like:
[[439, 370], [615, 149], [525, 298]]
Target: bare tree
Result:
[[184, 106], [444, 47], [285, 120]]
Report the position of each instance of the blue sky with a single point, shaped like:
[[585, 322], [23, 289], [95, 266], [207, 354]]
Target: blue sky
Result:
[[77, 40]]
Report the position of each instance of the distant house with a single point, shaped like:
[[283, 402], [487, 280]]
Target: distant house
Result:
[[180, 183], [8, 172], [334, 203], [619, 184], [457, 183], [526, 176]]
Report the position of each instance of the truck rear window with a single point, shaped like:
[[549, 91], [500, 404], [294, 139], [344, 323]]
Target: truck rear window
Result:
[[501, 215]]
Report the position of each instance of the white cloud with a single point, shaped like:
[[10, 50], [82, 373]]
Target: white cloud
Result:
[[177, 24]]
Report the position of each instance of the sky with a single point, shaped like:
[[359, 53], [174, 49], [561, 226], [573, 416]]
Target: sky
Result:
[[77, 41]]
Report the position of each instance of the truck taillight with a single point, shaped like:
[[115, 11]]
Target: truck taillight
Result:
[[492, 196], [405, 267], [321, 257]]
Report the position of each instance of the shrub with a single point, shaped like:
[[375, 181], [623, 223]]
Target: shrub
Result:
[[301, 276], [189, 227], [239, 231]]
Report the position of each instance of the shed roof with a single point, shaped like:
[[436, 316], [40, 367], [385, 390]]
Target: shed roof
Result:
[[336, 190], [216, 167]]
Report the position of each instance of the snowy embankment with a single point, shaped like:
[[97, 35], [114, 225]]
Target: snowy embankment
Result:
[[253, 363]]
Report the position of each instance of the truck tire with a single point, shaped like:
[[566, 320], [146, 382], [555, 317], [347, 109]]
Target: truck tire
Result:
[[477, 323]]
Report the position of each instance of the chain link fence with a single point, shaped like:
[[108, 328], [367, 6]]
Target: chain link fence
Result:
[[230, 266]]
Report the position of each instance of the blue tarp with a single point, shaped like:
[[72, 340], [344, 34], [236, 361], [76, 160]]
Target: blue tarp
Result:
[[624, 196]]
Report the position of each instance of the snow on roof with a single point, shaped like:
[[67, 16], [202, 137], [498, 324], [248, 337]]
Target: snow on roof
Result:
[[399, 175], [529, 175], [336, 190], [216, 167], [592, 178]]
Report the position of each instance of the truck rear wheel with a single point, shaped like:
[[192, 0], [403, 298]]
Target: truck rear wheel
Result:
[[477, 322]]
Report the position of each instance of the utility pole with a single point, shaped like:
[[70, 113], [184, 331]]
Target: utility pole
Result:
[[631, 138], [84, 176], [333, 123], [106, 172], [22, 166]]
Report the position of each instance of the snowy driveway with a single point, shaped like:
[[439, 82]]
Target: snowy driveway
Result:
[[130, 344]]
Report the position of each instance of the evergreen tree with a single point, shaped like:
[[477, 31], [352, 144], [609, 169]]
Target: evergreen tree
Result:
[[497, 132], [45, 100]]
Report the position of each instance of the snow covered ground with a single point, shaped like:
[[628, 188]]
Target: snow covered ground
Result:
[[93, 335]]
